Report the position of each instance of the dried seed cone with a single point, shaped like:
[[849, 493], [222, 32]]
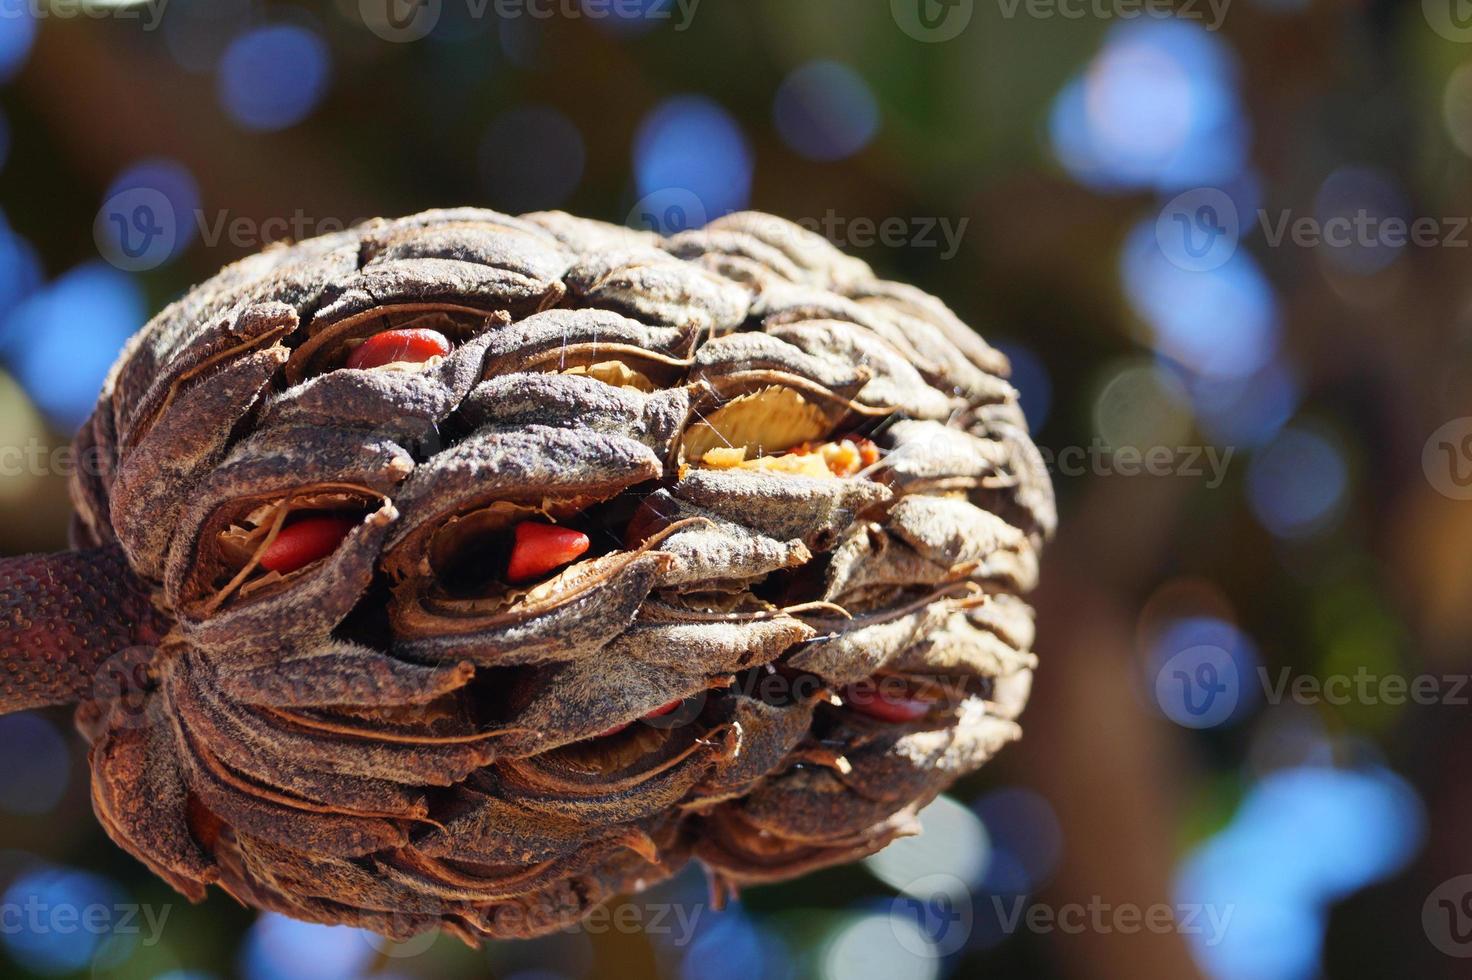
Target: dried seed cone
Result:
[[810, 505]]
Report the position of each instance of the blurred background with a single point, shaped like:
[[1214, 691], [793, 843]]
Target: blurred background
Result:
[[1225, 244]]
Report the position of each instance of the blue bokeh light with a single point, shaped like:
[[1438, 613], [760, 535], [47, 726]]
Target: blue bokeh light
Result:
[[1033, 383], [690, 143], [62, 340], [732, 945], [825, 111], [174, 181], [278, 948], [629, 18], [531, 158], [1356, 208], [1157, 107], [62, 920], [1220, 322], [17, 34], [35, 766], [1303, 838], [1022, 825], [1203, 672], [1245, 411], [273, 76], [20, 269], [1296, 486]]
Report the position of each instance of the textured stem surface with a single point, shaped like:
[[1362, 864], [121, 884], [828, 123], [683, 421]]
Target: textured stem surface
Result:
[[61, 618]]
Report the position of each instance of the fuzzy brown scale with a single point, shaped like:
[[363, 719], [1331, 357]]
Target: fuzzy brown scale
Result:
[[786, 481]]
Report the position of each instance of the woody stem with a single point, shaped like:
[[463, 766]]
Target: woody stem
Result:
[[61, 618]]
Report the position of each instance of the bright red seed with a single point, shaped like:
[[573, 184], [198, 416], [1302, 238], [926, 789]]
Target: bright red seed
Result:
[[305, 541], [895, 707], [540, 548], [660, 711], [399, 347]]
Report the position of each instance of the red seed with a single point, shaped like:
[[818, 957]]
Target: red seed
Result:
[[660, 711], [399, 347], [305, 541], [895, 707], [540, 548]]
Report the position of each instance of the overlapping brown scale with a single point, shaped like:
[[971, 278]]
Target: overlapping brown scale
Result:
[[654, 287], [918, 547], [647, 667], [218, 603], [532, 469], [511, 401], [784, 507], [756, 735], [922, 343], [815, 259], [858, 648], [264, 810], [209, 721], [167, 463], [90, 484], [336, 673], [739, 851], [143, 803], [189, 335], [313, 875], [710, 553], [893, 381], [735, 255], [868, 772], [472, 824], [293, 738], [592, 342], [908, 305], [928, 457], [569, 900], [570, 616], [1024, 497], [401, 404]]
